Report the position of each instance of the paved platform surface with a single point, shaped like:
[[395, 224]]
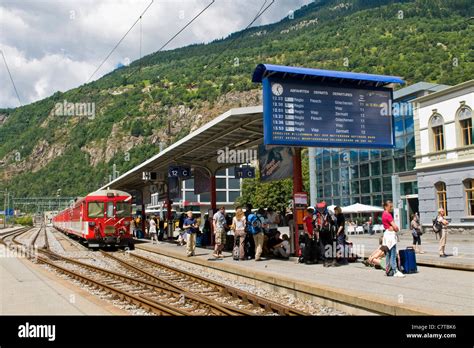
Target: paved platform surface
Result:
[[28, 289], [432, 291], [459, 247]]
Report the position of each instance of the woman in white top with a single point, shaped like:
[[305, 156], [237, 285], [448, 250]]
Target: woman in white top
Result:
[[153, 234], [238, 225]]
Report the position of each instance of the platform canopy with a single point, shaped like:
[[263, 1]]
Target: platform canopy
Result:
[[239, 128], [349, 78]]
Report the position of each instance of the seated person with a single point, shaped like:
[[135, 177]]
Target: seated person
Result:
[[377, 258], [272, 241], [282, 249], [182, 237]]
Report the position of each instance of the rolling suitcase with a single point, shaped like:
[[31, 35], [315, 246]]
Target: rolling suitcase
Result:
[[408, 260]]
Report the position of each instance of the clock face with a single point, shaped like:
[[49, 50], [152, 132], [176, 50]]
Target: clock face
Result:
[[277, 89]]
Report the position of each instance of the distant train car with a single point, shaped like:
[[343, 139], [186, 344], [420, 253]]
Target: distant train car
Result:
[[102, 218]]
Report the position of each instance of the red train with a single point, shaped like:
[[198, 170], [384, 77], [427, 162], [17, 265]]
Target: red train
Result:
[[102, 218]]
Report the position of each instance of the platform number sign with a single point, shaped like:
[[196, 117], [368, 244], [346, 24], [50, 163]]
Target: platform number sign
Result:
[[179, 172], [245, 172]]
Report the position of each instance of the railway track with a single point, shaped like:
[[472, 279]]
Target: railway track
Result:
[[159, 299], [147, 284], [233, 298], [156, 298]]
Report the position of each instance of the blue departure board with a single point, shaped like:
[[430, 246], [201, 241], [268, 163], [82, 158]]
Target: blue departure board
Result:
[[308, 114]]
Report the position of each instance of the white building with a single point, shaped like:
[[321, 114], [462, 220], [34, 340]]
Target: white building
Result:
[[445, 155], [228, 189]]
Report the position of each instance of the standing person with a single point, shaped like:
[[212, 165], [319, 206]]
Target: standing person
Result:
[[444, 224], [220, 225], [161, 228], [311, 237], [152, 231], [138, 224], [249, 241], [340, 236], [133, 228], [390, 240], [239, 223], [190, 225], [256, 227], [273, 220], [416, 233]]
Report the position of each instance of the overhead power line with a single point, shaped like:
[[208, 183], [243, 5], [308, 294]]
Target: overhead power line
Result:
[[178, 32], [231, 42], [11, 78], [120, 41]]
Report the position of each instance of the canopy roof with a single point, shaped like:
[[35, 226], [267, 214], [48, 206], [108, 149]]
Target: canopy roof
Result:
[[361, 208], [266, 70]]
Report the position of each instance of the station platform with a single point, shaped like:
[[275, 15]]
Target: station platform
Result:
[[460, 249], [431, 291], [29, 289]]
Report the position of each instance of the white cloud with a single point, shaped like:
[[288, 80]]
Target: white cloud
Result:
[[56, 45]]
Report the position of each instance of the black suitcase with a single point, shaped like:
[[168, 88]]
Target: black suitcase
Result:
[[310, 251]]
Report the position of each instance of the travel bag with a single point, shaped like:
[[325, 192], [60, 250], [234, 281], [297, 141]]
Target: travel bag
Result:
[[408, 260]]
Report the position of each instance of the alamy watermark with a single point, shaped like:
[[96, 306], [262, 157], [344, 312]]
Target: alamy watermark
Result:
[[227, 155], [75, 109], [396, 108]]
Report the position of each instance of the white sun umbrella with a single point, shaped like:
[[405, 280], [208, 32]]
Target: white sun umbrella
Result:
[[358, 208], [331, 208]]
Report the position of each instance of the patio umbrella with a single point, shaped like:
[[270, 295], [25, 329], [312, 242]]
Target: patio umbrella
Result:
[[361, 208]]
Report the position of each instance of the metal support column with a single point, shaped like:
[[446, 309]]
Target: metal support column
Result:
[[297, 187]]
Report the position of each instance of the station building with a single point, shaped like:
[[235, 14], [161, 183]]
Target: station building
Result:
[[345, 177], [228, 189], [445, 155]]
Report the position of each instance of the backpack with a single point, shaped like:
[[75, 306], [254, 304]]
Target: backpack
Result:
[[255, 225], [437, 227]]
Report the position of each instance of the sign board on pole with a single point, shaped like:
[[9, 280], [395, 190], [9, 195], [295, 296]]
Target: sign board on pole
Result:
[[244, 172], [309, 114], [179, 172]]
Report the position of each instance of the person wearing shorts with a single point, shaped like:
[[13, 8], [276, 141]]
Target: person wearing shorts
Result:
[[219, 224]]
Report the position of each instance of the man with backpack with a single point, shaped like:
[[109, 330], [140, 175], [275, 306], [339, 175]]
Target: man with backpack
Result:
[[439, 227], [256, 228], [324, 225]]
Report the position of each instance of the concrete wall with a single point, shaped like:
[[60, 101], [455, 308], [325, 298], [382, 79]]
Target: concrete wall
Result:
[[453, 176]]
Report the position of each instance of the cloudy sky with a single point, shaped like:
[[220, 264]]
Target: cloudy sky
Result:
[[55, 45]]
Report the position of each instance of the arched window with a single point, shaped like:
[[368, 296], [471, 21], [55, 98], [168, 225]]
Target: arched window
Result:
[[441, 196], [437, 131], [464, 117], [469, 189]]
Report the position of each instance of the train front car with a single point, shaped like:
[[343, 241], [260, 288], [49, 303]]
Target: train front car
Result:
[[107, 215]]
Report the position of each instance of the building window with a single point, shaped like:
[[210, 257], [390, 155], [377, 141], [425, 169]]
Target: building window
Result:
[[465, 125], [437, 132], [469, 188], [441, 196]]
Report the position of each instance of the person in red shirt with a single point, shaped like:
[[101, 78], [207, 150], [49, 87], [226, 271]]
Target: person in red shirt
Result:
[[311, 237], [390, 240]]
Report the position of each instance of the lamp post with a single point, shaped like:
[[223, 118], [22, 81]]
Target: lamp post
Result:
[[58, 195]]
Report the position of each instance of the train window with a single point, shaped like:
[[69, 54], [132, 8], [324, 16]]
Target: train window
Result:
[[124, 209], [95, 209], [110, 209]]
